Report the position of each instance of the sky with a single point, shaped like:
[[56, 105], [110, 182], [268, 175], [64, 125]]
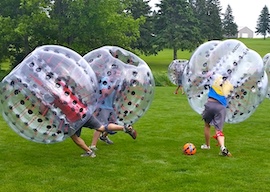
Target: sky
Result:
[[245, 12]]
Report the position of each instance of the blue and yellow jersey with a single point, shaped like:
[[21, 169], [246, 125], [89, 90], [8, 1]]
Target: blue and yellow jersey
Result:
[[220, 90]]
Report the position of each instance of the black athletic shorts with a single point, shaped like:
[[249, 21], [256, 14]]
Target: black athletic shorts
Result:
[[92, 123]]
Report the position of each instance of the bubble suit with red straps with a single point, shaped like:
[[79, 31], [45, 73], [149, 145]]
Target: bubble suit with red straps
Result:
[[175, 71], [129, 76], [244, 69], [49, 95]]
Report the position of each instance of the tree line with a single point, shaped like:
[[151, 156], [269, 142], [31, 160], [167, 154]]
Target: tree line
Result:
[[84, 25]]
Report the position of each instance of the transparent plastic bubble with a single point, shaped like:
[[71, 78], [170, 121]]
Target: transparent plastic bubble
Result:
[[196, 75], [49, 95], [129, 83], [244, 69], [175, 71], [266, 62]]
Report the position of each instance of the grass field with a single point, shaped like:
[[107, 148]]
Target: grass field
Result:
[[152, 162], [161, 61]]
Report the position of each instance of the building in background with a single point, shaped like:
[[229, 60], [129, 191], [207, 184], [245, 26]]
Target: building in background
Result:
[[245, 32]]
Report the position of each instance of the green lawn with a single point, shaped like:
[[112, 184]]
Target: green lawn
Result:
[[161, 61], [152, 162]]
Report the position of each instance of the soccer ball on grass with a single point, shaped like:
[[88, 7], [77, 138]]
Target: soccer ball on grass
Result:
[[189, 149]]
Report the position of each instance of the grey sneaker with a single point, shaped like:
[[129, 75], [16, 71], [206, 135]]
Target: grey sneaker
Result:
[[225, 152], [128, 129], [106, 139], [89, 154], [93, 148]]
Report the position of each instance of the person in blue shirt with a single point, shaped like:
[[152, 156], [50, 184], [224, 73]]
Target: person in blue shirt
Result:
[[215, 112], [105, 112]]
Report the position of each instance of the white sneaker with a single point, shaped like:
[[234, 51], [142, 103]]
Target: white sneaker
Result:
[[204, 146], [93, 148], [89, 154]]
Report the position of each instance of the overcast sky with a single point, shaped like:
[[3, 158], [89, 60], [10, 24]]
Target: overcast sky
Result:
[[245, 12]]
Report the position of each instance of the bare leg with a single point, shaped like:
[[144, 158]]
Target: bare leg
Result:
[[220, 139], [111, 127], [115, 127], [80, 142], [176, 91], [182, 90], [96, 135], [207, 133]]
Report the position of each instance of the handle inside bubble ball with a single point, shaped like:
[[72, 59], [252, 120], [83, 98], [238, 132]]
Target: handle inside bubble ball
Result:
[[69, 103]]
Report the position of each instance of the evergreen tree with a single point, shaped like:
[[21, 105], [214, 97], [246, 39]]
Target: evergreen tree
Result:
[[230, 28], [176, 26], [200, 12], [208, 12], [214, 19], [263, 23]]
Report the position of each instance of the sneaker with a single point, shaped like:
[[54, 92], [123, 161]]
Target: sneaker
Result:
[[128, 129], [225, 152], [106, 139], [93, 148], [89, 154], [204, 146]]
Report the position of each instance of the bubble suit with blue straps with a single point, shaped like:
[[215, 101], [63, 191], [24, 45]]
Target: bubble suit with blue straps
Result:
[[128, 76]]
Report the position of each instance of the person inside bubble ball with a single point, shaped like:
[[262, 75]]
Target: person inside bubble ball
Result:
[[93, 123], [215, 112], [105, 112], [180, 85], [181, 88], [73, 109]]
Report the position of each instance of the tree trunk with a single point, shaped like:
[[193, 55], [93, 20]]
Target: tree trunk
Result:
[[174, 53]]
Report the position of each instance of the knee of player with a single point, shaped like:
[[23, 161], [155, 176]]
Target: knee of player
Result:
[[219, 134]]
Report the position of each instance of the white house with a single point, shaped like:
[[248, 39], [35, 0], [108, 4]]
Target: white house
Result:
[[245, 32]]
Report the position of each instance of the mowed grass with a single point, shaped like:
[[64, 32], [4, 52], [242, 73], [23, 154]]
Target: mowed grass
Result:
[[152, 162], [160, 62]]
